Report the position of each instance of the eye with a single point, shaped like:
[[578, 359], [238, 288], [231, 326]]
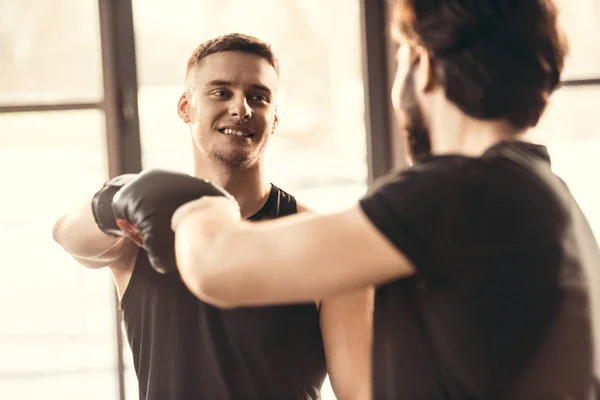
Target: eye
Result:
[[220, 93], [259, 97]]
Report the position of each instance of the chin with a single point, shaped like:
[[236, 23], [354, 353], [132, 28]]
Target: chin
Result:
[[234, 161]]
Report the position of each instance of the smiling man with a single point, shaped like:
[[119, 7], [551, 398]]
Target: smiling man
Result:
[[184, 348]]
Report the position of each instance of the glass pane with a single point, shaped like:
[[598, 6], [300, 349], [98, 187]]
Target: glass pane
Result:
[[581, 22], [49, 51], [57, 336], [318, 152]]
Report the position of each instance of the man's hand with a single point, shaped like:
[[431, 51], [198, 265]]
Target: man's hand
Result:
[[89, 232], [143, 209]]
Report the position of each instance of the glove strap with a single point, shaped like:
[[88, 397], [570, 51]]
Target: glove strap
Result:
[[102, 205]]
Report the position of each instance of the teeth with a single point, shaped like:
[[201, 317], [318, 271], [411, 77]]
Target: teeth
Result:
[[228, 131]]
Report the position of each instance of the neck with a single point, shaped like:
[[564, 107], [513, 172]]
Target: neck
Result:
[[453, 132], [247, 185]]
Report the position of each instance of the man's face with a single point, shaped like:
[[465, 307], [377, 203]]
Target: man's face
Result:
[[230, 104], [407, 106]]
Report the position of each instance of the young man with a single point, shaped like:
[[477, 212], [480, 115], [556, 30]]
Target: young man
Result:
[[184, 348], [479, 250]]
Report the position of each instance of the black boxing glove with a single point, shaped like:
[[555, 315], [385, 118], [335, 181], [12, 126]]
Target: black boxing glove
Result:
[[102, 204], [143, 209]]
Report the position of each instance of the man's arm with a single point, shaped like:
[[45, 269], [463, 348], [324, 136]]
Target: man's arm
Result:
[[346, 328], [228, 262], [80, 236]]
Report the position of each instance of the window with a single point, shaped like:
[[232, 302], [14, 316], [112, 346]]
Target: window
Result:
[[581, 23], [49, 52], [57, 336]]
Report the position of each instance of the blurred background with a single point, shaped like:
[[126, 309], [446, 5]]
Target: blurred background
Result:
[[89, 89]]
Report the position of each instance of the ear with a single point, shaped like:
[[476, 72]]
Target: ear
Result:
[[426, 78], [275, 122], [183, 108]]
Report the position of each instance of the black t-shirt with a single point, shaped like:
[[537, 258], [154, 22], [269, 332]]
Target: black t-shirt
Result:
[[499, 306], [186, 349]]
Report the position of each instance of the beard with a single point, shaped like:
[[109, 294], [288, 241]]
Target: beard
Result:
[[241, 158], [416, 132], [207, 146]]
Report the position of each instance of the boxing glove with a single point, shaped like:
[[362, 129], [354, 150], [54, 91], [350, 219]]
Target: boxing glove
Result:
[[143, 209], [102, 204]]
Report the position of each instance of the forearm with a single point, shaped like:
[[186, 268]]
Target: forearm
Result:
[[346, 326], [293, 259], [78, 233], [201, 229], [218, 263], [197, 268]]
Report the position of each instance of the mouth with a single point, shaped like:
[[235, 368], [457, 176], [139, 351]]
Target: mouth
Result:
[[235, 132]]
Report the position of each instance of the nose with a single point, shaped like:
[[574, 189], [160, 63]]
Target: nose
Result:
[[240, 108]]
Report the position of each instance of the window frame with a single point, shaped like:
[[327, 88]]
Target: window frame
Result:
[[385, 147]]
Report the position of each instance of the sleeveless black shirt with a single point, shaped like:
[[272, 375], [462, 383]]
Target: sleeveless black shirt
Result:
[[184, 348]]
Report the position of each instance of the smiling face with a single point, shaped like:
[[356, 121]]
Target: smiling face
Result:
[[230, 105]]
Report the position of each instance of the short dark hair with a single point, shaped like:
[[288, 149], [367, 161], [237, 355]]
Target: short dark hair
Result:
[[496, 59], [232, 42]]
